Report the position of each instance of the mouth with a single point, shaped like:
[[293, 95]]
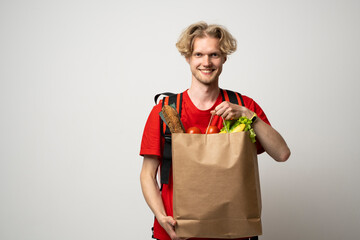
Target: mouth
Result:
[[206, 71]]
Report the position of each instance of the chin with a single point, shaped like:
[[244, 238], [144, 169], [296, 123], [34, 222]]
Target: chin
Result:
[[208, 82]]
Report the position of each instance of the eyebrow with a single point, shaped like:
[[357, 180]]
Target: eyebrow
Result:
[[217, 52]]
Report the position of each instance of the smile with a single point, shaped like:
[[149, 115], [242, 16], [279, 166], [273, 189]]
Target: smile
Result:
[[206, 71]]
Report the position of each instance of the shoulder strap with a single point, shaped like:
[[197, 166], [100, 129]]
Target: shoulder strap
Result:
[[164, 93], [165, 131], [233, 97]]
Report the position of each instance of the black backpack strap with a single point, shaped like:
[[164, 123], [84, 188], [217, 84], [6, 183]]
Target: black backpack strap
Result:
[[167, 154], [232, 96], [165, 93]]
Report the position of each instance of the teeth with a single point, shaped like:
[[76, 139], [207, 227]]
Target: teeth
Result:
[[207, 71]]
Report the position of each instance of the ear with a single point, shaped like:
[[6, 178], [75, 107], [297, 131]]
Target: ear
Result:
[[225, 58]]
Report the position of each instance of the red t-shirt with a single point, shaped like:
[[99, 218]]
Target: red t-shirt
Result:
[[152, 142]]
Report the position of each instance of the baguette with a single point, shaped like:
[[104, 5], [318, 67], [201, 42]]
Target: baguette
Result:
[[172, 119]]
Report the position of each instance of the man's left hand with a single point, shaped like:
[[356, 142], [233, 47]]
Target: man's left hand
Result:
[[230, 111]]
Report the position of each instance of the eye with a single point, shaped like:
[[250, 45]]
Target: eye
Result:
[[215, 55], [197, 54]]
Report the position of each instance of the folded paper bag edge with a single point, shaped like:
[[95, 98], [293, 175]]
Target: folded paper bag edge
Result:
[[218, 229]]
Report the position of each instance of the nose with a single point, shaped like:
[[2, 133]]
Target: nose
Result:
[[206, 60]]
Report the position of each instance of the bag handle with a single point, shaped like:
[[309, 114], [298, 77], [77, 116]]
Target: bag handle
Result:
[[207, 129]]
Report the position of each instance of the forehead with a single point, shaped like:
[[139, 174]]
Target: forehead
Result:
[[206, 45]]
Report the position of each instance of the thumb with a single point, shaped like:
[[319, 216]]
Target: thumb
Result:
[[172, 221]]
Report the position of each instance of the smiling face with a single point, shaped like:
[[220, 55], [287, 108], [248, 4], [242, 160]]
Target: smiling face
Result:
[[206, 60]]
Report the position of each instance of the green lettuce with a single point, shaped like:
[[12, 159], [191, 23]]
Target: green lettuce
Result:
[[232, 124]]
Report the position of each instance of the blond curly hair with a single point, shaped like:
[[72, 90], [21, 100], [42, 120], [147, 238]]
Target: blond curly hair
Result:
[[202, 29]]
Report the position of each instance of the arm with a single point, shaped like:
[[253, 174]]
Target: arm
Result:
[[270, 139], [152, 194]]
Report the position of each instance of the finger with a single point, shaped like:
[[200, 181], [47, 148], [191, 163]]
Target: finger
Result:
[[220, 111], [171, 224], [171, 232], [172, 221], [227, 114], [219, 107], [226, 106], [231, 116]]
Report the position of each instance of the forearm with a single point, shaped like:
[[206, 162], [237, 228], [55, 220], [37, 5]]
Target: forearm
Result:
[[272, 142], [150, 186], [152, 195]]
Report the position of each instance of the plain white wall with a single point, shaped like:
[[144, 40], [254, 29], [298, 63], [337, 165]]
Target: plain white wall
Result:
[[77, 79]]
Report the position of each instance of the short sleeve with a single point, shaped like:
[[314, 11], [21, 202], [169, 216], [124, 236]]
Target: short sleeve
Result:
[[151, 139]]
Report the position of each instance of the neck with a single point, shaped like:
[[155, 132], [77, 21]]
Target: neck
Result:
[[203, 96]]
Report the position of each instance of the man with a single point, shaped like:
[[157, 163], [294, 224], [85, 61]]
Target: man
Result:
[[205, 48]]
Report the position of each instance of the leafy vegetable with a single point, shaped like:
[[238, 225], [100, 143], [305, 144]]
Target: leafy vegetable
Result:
[[233, 124]]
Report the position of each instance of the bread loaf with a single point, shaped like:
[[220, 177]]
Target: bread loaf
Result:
[[172, 119]]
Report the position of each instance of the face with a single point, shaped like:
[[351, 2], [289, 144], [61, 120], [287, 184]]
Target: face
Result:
[[206, 60]]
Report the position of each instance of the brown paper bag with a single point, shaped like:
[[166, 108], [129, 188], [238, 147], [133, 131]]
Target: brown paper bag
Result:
[[216, 186]]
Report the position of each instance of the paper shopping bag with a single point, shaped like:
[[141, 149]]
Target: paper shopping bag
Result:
[[216, 185]]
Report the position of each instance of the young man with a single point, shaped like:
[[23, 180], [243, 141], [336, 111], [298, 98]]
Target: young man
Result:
[[205, 48]]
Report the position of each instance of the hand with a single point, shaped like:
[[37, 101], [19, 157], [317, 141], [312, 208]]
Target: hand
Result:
[[168, 223], [270, 139], [230, 111]]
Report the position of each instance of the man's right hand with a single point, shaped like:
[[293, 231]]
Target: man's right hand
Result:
[[168, 223]]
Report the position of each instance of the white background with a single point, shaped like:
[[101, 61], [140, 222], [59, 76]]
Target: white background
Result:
[[77, 80]]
